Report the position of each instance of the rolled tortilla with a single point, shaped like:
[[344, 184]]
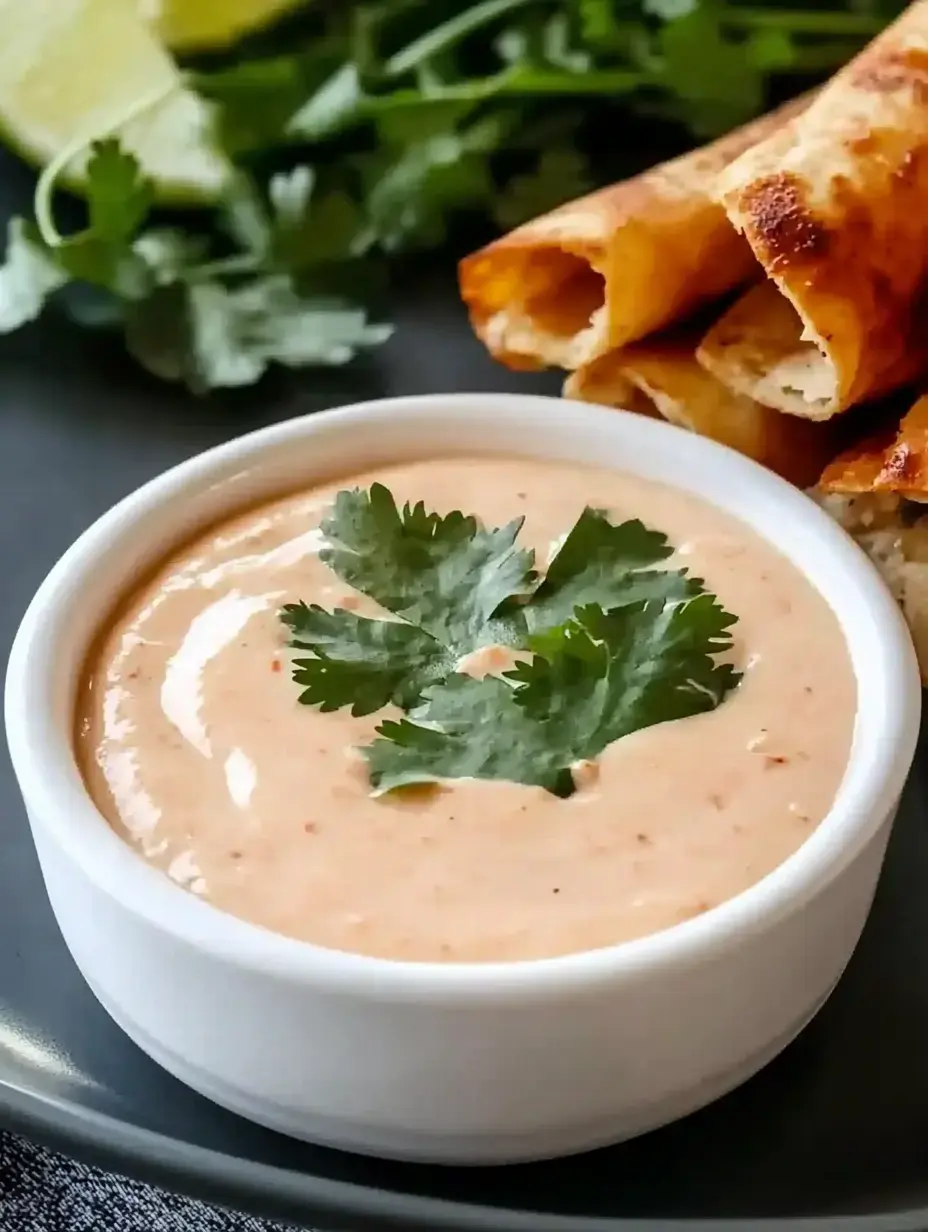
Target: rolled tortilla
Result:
[[833, 207], [664, 376], [878, 492], [610, 268], [894, 460]]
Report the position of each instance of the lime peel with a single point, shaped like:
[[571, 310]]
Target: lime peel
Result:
[[210, 25]]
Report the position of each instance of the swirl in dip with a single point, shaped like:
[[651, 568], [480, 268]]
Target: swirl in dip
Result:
[[195, 747]]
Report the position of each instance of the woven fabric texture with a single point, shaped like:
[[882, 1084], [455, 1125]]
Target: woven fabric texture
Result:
[[44, 1192]]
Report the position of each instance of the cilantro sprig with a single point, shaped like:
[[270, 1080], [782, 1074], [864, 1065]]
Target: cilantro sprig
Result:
[[591, 681], [192, 309], [612, 644], [360, 132]]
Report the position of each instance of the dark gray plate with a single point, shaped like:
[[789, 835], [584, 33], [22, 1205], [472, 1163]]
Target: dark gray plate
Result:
[[837, 1127]]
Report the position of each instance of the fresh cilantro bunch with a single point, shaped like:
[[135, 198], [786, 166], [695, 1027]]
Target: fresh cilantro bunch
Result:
[[611, 645], [361, 131], [193, 309], [505, 108]]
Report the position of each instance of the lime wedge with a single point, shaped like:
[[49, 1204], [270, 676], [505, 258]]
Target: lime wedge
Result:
[[74, 70], [204, 25]]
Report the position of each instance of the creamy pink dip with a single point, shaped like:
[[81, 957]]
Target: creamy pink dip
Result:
[[197, 751]]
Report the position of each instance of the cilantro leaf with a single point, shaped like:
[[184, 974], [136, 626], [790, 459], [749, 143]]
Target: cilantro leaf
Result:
[[102, 256], [255, 99], [169, 253], [448, 575], [605, 564], [332, 105], [119, 196], [604, 675], [362, 663], [411, 191], [211, 335], [716, 89], [466, 728], [28, 276], [670, 10], [592, 681], [297, 228], [313, 229]]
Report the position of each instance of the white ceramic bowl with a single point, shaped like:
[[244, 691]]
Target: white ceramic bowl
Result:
[[455, 1063]]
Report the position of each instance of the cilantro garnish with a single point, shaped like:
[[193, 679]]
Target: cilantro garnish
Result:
[[592, 681], [612, 644], [361, 663]]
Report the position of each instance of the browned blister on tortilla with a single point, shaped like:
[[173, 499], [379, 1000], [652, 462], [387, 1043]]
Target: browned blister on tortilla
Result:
[[664, 376], [834, 208], [894, 460], [614, 266]]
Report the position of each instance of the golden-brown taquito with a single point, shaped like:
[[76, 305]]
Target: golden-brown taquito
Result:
[[878, 491], [663, 375], [616, 265], [834, 208], [894, 460]]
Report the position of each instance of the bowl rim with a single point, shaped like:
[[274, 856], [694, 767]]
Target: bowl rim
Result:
[[58, 802]]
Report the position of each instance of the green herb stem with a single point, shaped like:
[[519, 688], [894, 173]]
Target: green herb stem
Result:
[[514, 82], [802, 21], [45, 187], [538, 82], [450, 32], [223, 267]]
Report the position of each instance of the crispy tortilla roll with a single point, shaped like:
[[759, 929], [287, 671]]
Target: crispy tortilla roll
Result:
[[614, 266], [833, 206], [877, 491], [894, 461], [664, 376], [604, 382]]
